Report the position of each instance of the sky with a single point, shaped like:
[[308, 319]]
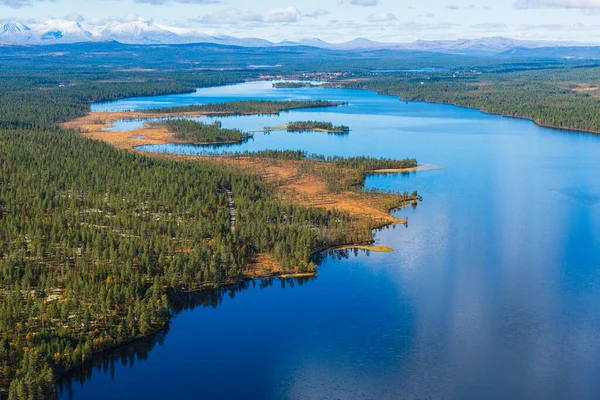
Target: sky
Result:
[[336, 20]]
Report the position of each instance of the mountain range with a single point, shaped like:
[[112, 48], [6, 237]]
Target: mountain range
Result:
[[57, 31]]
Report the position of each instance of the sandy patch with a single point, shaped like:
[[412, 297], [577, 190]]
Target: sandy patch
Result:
[[584, 88]]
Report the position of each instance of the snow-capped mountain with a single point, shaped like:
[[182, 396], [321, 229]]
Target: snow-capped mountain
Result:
[[54, 30], [141, 31], [138, 32], [13, 28], [128, 32], [484, 45], [68, 31]]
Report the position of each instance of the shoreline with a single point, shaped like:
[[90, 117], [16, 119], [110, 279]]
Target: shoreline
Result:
[[423, 167], [285, 128], [530, 119], [482, 110], [373, 248], [159, 329], [240, 280]]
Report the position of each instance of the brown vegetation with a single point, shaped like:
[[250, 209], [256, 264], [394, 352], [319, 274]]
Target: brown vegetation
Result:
[[585, 88], [310, 190], [97, 121], [94, 125]]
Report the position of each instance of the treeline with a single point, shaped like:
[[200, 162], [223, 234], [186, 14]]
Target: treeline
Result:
[[302, 126], [267, 107], [365, 163], [293, 85], [193, 132]]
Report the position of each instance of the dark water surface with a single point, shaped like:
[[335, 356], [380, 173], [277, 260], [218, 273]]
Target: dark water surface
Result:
[[493, 291]]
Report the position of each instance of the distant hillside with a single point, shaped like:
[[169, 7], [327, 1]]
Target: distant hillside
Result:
[[583, 53], [142, 32]]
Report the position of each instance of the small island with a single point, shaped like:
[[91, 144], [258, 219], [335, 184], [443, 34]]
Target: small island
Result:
[[302, 126], [294, 85], [187, 131], [310, 126]]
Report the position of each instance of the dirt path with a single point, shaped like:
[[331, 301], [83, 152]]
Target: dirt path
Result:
[[232, 211]]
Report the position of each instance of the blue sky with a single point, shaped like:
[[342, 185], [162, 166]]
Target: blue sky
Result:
[[338, 20]]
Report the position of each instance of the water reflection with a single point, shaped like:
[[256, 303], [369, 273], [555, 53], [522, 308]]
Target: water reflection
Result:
[[139, 350], [106, 362]]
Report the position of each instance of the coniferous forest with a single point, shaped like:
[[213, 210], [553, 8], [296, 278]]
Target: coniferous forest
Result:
[[302, 126], [188, 131], [247, 107]]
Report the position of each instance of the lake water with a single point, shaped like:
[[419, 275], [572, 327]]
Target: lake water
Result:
[[492, 292]]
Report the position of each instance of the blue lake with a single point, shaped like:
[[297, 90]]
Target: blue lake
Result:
[[492, 292]]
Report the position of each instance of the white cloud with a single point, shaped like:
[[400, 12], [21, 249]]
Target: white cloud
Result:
[[130, 18], [230, 16], [454, 7], [98, 21], [19, 3], [74, 17], [577, 4], [422, 27], [317, 13], [364, 3], [235, 15], [382, 17], [491, 26], [161, 2], [278, 15]]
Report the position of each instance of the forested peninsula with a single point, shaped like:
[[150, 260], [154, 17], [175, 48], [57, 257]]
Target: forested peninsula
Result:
[[249, 107], [98, 243]]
